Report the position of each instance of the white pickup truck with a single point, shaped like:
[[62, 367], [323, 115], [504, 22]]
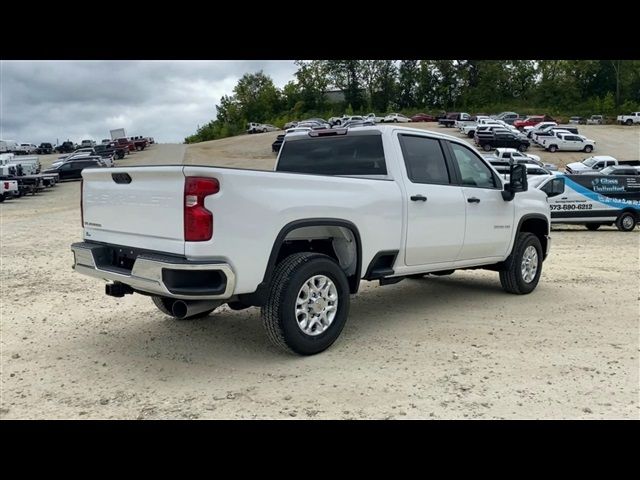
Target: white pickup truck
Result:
[[596, 163], [8, 189], [343, 205], [633, 117]]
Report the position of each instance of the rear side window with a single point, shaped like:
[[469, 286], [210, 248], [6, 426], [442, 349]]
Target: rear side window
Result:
[[424, 160], [336, 155]]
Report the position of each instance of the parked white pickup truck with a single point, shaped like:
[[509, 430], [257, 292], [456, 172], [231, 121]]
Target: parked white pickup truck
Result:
[[8, 189], [630, 119], [343, 205], [596, 163], [570, 142]]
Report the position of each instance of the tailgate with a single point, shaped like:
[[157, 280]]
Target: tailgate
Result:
[[135, 207]]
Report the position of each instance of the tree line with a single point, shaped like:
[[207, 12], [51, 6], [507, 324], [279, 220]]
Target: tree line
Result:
[[554, 87]]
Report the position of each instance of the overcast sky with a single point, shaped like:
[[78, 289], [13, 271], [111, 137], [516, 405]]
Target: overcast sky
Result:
[[41, 101]]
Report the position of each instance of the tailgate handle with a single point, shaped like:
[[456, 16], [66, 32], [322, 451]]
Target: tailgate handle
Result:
[[121, 177]]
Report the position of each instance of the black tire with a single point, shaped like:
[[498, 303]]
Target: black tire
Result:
[[553, 148], [511, 278], [629, 122], [278, 314], [471, 134], [395, 120], [165, 304], [523, 147], [588, 149], [486, 147], [592, 226], [1, 197], [626, 222]]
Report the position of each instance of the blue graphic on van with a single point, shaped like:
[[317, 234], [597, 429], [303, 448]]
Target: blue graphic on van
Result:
[[598, 197]]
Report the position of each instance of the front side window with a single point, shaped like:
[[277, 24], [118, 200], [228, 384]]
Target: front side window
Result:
[[424, 160], [474, 172]]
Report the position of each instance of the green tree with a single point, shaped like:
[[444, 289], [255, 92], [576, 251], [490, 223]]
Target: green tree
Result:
[[408, 74], [257, 97]]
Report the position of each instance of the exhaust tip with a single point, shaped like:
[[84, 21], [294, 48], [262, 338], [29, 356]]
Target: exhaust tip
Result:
[[179, 309]]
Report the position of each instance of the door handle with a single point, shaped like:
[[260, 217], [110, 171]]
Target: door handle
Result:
[[473, 200], [418, 198], [563, 198]]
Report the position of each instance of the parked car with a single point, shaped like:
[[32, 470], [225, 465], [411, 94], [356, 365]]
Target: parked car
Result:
[[65, 147], [8, 189], [514, 154], [26, 149], [325, 222], [293, 124], [507, 117], [620, 170], [125, 143], [73, 168], [452, 118], [595, 120], [596, 163], [105, 141], [253, 127], [532, 121], [396, 118], [594, 200], [110, 149], [8, 146], [630, 119], [577, 121], [503, 139], [87, 143], [44, 149], [358, 123], [571, 142], [372, 117], [423, 117], [531, 131]]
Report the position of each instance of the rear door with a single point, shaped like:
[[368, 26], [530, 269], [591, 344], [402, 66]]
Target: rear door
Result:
[[489, 218], [436, 208], [135, 207]]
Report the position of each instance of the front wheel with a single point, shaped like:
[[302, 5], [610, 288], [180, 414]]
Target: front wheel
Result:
[[486, 147], [308, 303], [552, 148], [626, 222], [588, 149], [523, 271]]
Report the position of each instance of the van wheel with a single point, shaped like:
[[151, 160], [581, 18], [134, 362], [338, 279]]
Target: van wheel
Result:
[[486, 147], [308, 303], [552, 148], [588, 149], [626, 222], [165, 305], [524, 268], [592, 226]]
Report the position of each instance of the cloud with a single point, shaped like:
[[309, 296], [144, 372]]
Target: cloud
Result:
[[45, 101]]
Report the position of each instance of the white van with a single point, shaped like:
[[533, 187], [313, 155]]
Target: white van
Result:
[[8, 146], [594, 200]]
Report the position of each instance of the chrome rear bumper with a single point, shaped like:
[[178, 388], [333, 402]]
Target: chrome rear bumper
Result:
[[157, 274]]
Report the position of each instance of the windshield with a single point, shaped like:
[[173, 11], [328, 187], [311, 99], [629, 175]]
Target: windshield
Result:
[[589, 162]]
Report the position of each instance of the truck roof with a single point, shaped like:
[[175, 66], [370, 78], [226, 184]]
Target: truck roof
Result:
[[381, 129]]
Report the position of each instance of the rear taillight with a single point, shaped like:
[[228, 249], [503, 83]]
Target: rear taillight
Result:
[[81, 212], [6, 185], [198, 221]]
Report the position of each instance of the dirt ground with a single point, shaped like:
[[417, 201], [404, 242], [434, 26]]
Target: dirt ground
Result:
[[447, 347]]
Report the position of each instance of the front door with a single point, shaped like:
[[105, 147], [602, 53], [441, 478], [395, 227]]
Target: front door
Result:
[[436, 206], [489, 218]]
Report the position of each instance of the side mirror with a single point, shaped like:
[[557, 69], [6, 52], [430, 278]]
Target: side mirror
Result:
[[517, 181], [554, 187]]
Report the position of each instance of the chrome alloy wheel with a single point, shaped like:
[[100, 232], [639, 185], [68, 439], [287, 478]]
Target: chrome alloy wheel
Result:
[[529, 265], [316, 305]]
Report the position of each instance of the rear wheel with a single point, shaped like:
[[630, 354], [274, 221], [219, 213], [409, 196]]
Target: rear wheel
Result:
[[165, 305], [592, 226], [308, 303], [629, 122], [486, 147], [552, 148], [626, 222], [523, 272]]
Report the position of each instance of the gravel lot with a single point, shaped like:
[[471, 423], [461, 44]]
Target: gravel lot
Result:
[[449, 347]]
